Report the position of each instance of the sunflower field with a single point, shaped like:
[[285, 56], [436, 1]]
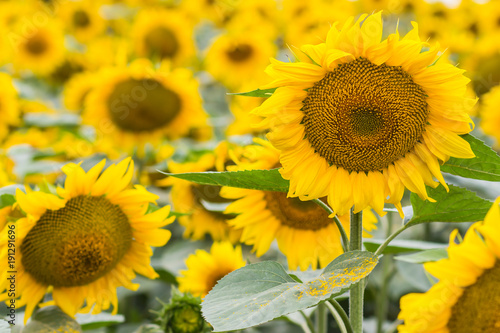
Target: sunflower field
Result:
[[274, 166]]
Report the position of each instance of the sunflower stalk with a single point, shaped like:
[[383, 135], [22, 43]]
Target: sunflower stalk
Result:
[[339, 315], [357, 290], [321, 318]]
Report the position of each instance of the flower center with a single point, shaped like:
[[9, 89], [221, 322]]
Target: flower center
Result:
[[142, 105], [77, 244], [240, 52], [487, 67], [478, 309], [295, 213], [161, 42], [81, 19], [362, 117], [36, 45]]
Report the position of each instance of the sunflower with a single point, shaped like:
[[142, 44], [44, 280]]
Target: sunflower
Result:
[[82, 19], [195, 200], [205, 269], [467, 296], [305, 233], [82, 244], [9, 108], [490, 117], [365, 118], [136, 105], [164, 34], [77, 89], [243, 53], [244, 121], [41, 50]]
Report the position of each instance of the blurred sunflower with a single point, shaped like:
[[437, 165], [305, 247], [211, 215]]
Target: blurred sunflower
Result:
[[82, 19], [77, 89], [163, 34], [196, 200], [245, 54], [366, 118], [137, 104], [483, 64], [9, 108], [205, 269], [244, 121], [313, 20], [490, 115], [40, 51], [84, 243], [305, 233], [467, 296]]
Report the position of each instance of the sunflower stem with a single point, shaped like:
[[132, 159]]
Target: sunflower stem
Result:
[[343, 234], [357, 290], [382, 246], [321, 318], [309, 323], [339, 315]]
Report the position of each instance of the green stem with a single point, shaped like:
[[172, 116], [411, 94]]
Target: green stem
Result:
[[389, 239], [340, 316], [321, 318], [309, 322], [343, 234], [357, 290]]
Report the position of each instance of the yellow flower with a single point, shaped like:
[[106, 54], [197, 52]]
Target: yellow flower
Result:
[[82, 19], [82, 244], [490, 114], [163, 34], [205, 269], [195, 200], [9, 108], [365, 118], [303, 230], [237, 59], [467, 296], [77, 89], [135, 105], [40, 49]]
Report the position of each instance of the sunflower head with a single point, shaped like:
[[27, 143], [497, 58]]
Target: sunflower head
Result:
[[360, 119], [139, 104], [89, 239], [467, 296], [204, 269]]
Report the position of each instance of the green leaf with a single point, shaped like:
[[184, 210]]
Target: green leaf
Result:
[[264, 180], [485, 166], [153, 208], [103, 319], [256, 93], [458, 205], [7, 200], [51, 319], [149, 328], [400, 246], [424, 256], [260, 292], [40, 119]]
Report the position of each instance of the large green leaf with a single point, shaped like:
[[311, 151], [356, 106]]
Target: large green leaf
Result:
[[264, 180], [458, 205], [256, 93], [485, 166], [51, 319], [260, 292]]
